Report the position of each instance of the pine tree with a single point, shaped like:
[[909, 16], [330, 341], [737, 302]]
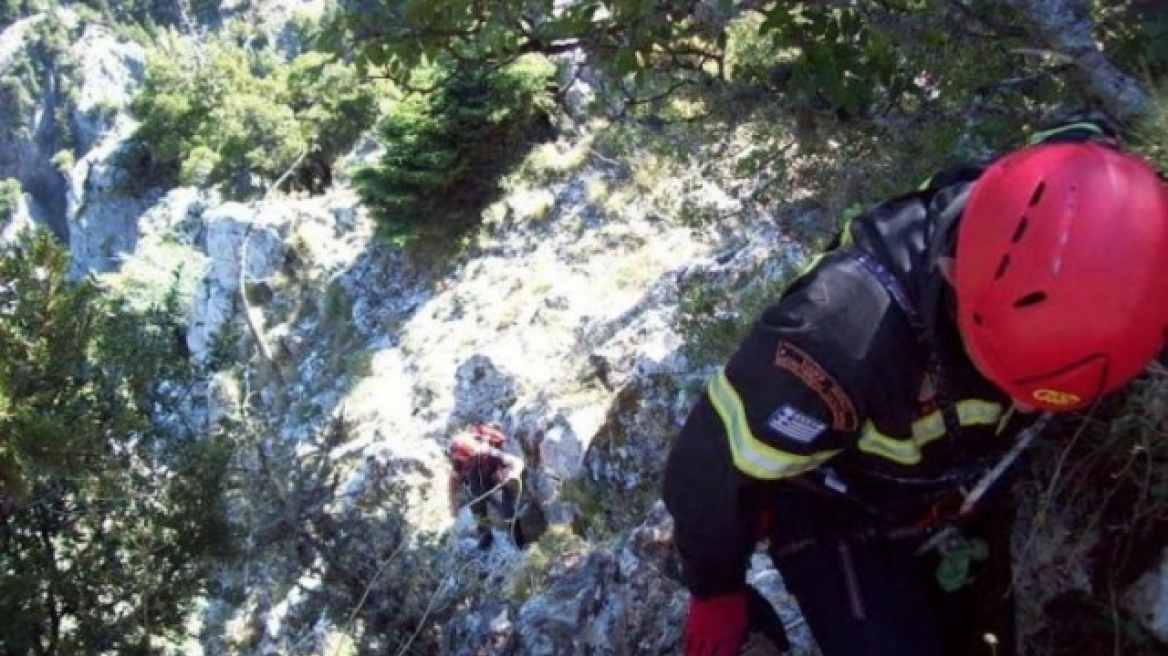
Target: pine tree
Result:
[[109, 509]]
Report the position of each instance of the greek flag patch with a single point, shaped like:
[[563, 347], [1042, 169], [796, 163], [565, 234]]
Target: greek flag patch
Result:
[[798, 426]]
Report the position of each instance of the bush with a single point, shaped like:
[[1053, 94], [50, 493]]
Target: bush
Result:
[[63, 161], [1133, 34], [13, 10], [333, 107], [445, 151], [44, 58], [715, 315], [256, 140], [1096, 490], [386, 586], [1150, 137], [150, 13], [10, 192], [243, 118], [532, 577]]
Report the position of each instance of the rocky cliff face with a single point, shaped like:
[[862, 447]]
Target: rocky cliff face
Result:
[[558, 320], [67, 81], [556, 323]]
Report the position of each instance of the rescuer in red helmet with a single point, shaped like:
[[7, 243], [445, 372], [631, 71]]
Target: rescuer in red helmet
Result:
[[483, 476], [874, 404]]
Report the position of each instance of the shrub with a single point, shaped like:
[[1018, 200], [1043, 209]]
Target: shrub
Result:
[[63, 161], [150, 13], [13, 10], [445, 151], [252, 136], [242, 118], [10, 192], [386, 586], [532, 576], [333, 108], [715, 315], [1150, 136]]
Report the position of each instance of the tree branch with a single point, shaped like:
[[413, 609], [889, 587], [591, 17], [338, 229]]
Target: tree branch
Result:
[[252, 325], [1065, 27]]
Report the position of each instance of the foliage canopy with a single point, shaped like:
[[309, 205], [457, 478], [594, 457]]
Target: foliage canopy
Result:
[[445, 150], [240, 117], [110, 508], [10, 191]]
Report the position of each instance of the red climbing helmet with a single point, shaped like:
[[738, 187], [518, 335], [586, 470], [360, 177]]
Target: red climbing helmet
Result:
[[464, 447], [1062, 273], [490, 434]]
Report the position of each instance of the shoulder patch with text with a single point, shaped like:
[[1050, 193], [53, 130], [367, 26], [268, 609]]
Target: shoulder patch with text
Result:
[[798, 426], [843, 414]]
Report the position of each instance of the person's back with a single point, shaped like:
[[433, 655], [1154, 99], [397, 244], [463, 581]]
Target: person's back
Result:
[[873, 392], [481, 470]]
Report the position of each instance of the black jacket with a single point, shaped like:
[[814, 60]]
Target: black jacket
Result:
[[855, 380]]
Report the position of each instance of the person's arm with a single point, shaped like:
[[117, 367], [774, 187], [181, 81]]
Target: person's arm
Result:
[[773, 413], [512, 466], [757, 423], [454, 487]]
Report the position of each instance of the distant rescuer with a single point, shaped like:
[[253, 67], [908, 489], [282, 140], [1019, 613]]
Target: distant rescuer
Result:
[[868, 404], [483, 476]]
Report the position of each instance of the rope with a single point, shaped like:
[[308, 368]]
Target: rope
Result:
[[430, 605], [510, 521], [1024, 439]]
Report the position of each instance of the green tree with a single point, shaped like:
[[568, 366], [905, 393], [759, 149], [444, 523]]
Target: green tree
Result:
[[193, 103], [332, 107], [243, 118], [846, 56], [152, 13], [110, 509], [13, 10], [10, 191], [446, 150]]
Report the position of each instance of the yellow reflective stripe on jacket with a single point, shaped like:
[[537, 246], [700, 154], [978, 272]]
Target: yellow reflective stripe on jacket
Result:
[[752, 456], [927, 429], [1039, 137], [811, 264]]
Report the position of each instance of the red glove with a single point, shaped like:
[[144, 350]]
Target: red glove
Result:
[[716, 626]]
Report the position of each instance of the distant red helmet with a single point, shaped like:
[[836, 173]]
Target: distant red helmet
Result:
[[490, 434], [464, 447], [1062, 273]]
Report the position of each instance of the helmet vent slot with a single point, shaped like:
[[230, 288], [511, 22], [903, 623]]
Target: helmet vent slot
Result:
[[1020, 230], [1037, 195], [1002, 266], [1033, 298]]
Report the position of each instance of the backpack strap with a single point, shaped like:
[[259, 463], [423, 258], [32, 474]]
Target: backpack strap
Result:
[[921, 331]]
